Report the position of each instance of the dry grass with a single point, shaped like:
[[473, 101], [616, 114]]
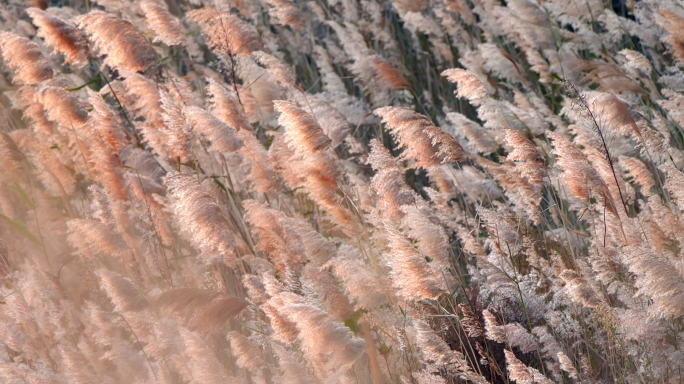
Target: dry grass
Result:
[[359, 191]]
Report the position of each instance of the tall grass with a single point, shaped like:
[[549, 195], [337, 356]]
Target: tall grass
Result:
[[352, 191]]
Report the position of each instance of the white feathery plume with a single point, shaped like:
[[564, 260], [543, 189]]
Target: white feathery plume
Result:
[[199, 215]]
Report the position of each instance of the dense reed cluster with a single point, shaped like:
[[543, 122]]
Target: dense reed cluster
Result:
[[341, 191]]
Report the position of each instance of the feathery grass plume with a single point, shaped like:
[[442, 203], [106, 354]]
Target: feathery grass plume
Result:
[[51, 172], [62, 35], [323, 286], [75, 366], [144, 163], [199, 216], [40, 4], [92, 237], [225, 105], [286, 13], [525, 196], [604, 77], [124, 295], [619, 189], [431, 238], [419, 138], [513, 334], [328, 344], [168, 28], [227, 34], [483, 233], [178, 145], [657, 278], [303, 133], [10, 157], [578, 175], [25, 57], [291, 366], [105, 122], [673, 104], [529, 157], [119, 40], [223, 137], [470, 323], [278, 71], [674, 182], [612, 113], [63, 108], [181, 90], [249, 355], [610, 107], [445, 187], [283, 237], [469, 86], [436, 351], [333, 123], [361, 283], [255, 288], [274, 236], [284, 161], [285, 330], [24, 99], [637, 60], [201, 308], [567, 366], [107, 169], [579, 289], [388, 74], [318, 168], [141, 97], [142, 186], [493, 330], [411, 274], [389, 182], [640, 174], [473, 136], [204, 367], [519, 372], [674, 25], [261, 174]]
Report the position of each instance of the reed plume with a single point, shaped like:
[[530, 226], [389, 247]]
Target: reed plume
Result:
[[286, 13], [226, 106], [388, 74], [673, 24], [420, 139], [223, 137], [176, 128], [411, 275], [328, 344], [62, 35], [579, 176], [388, 182], [121, 291], [249, 354], [201, 308], [119, 40], [469, 86], [168, 28], [25, 57], [228, 35], [529, 159], [321, 174], [290, 192], [200, 216], [203, 365]]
